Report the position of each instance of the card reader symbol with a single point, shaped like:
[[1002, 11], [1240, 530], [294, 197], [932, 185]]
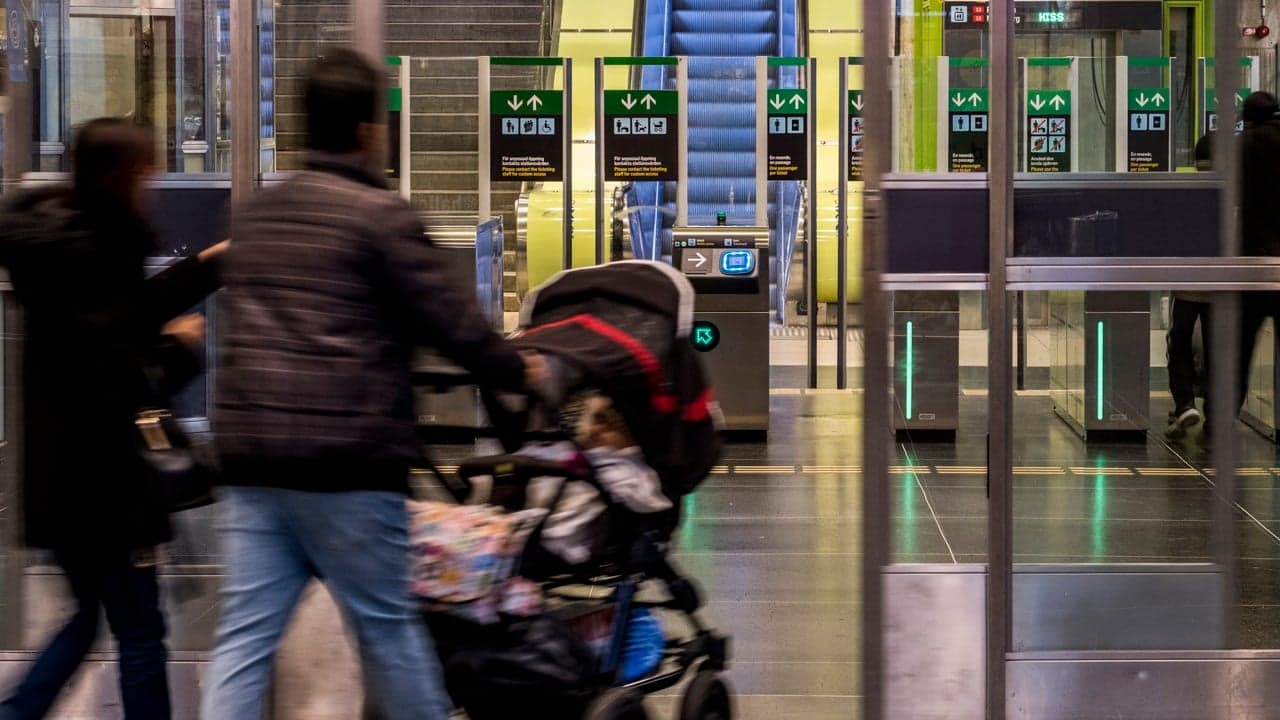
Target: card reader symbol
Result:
[[737, 262]]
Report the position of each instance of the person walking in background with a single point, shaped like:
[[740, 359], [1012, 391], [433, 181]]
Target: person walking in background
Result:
[[1188, 309], [96, 346], [331, 284], [1260, 233]]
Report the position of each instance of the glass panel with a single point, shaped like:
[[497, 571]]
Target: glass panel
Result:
[[293, 34], [1113, 489], [938, 482]]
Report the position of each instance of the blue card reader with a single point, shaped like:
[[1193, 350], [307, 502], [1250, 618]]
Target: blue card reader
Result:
[[737, 263]]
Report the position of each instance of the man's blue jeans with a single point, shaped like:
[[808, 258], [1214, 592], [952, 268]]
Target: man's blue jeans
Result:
[[275, 542]]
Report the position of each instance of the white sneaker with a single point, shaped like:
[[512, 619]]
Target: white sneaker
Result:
[[1180, 422]]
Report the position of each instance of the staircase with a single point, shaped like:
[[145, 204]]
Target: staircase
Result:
[[721, 38]]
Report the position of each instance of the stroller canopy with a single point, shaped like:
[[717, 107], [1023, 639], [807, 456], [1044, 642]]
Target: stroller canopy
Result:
[[624, 328]]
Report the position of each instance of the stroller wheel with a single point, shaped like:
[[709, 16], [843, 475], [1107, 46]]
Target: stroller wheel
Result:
[[707, 698], [617, 704]]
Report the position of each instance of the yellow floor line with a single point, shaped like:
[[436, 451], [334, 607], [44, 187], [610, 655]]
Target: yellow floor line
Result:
[[831, 469], [1106, 471]]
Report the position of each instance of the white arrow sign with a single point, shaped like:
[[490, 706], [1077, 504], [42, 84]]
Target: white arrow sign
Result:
[[535, 102], [648, 101], [1057, 102], [628, 102], [1036, 103], [776, 102], [797, 102], [857, 103], [1157, 99], [699, 260], [1142, 100], [975, 98], [958, 100], [515, 103]]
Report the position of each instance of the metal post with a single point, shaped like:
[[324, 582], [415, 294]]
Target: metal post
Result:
[[566, 160], [682, 140], [1000, 397], [1074, 87], [811, 231], [1226, 322], [842, 226], [244, 99], [762, 142], [1122, 114], [943, 153], [599, 149], [484, 207], [406, 128], [877, 404], [368, 21]]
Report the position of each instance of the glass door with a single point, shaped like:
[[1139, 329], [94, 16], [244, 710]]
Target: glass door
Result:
[[123, 66]]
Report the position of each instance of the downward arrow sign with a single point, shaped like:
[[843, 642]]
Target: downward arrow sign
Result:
[[958, 100], [1036, 103], [515, 103], [1142, 100], [628, 102], [857, 103], [776, 102]]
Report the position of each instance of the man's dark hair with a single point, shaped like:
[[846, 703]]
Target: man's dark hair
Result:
[[343, 91], [1260, 107], [1204, 152], [107, 157]]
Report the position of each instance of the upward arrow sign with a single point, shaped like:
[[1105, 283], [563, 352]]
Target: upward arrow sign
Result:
[[648, 101], [1057, 102], [1158, 99], [535, 102], [797, 102]]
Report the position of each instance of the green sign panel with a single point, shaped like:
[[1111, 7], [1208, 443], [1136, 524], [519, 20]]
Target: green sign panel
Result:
[[1149, 100], [857, 134], [788, 102], [967, 136], [641, 102], [706, 336], [526, 135], [1048, 131], [968, 100], [788, 134], [1211, 98], [1049, 102], [543, 103], [641, 140]]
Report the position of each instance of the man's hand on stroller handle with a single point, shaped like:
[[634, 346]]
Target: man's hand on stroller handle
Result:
[[537, 371]]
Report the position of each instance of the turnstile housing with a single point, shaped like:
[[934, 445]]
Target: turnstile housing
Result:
[[926, 352], [1260, 410], [738, 306], [1100, 357]]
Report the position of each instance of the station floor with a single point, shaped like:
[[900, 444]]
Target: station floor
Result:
[[774, 534]]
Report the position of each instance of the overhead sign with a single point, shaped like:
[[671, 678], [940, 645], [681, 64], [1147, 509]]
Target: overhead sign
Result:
[[526, 135], [1149, 133], [967, 136], [787, 120], [857, 134], [1050, 15], [640, 134], [1048, 131]]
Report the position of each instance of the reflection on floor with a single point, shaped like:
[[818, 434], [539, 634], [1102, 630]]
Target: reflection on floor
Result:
[[773, 535]]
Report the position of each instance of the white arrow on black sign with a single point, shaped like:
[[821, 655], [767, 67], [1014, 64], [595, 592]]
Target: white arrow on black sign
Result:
[[699, 260]]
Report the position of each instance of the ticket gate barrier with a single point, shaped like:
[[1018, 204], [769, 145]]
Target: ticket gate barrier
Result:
[[728, 268], [926, 348], [1099, 366]]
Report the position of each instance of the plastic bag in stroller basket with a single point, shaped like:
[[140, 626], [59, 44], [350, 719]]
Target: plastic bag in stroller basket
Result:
[[463, 559]]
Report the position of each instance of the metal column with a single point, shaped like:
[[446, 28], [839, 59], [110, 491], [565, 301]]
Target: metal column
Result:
[[244, 99], [368, 28], [877, 405], [842, 221]]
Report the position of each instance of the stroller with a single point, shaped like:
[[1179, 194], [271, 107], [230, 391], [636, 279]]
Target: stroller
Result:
[[622, 330]]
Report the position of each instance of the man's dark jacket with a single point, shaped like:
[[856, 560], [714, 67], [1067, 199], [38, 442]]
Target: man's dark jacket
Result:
[[331, 284], [1260, 194], [92, 357]]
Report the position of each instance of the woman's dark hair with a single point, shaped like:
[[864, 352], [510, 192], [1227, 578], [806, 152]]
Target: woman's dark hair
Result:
[[1260, 107], [108, 157], [342, 93]]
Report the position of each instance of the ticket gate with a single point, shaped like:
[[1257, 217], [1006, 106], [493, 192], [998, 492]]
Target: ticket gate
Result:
[[926, 349], [728, 267]]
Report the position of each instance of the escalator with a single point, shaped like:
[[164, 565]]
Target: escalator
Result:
[[721, 38]]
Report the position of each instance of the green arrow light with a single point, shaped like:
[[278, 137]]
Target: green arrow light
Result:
[[706, 336]]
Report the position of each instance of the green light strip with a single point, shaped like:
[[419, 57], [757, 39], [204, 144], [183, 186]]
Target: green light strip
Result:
[[911, 363], [1101, 334]]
